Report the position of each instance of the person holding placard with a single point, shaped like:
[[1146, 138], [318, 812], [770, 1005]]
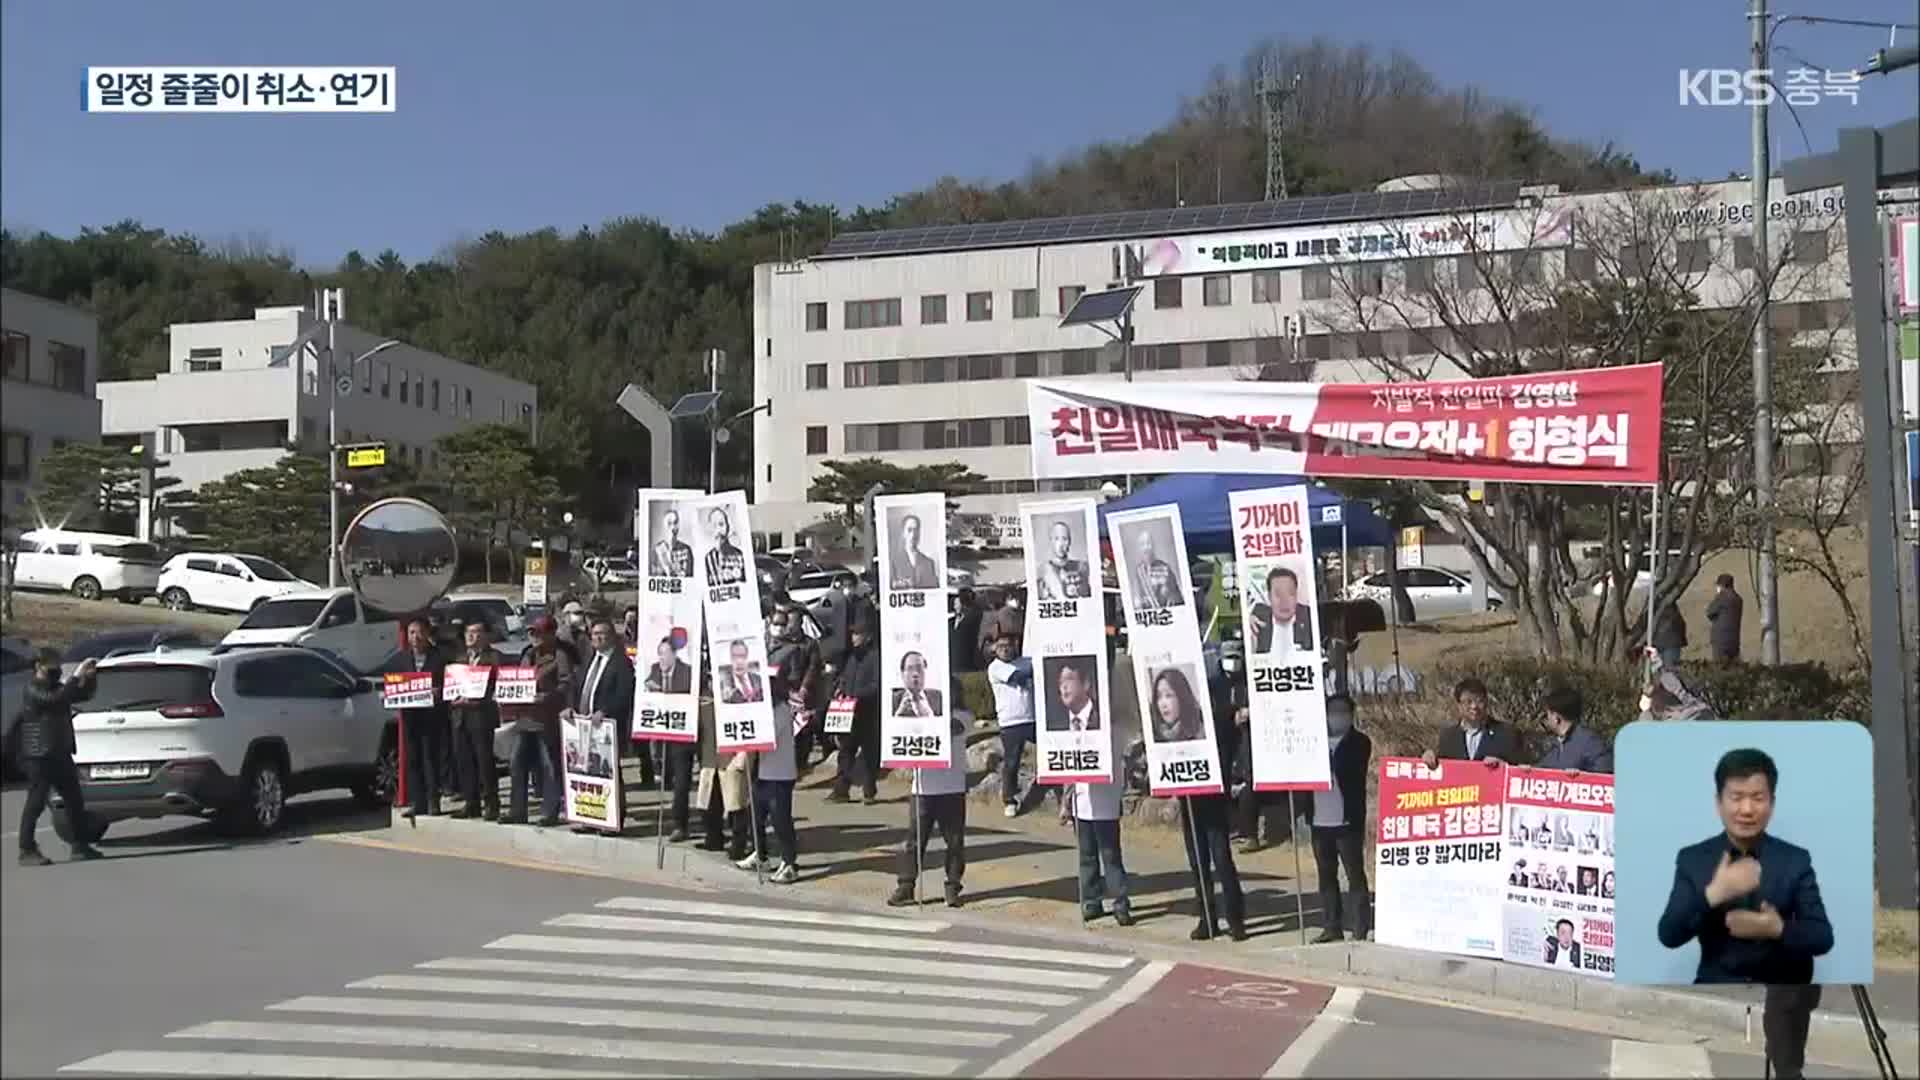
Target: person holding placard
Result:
[[1094, 810], [1338, 816], [1011, 677], [426, 727], [859, 680], [537, 726], [774, 774], [475, 717], [940, 801], [1206, 822]]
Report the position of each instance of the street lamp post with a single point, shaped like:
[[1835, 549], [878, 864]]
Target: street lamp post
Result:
[[334, 300]]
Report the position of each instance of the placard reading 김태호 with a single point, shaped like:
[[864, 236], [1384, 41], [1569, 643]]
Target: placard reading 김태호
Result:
[[1279, 603], [1065, 637], [592, 764], [1163, 637], [736, 632], [915, 724], [1559, 870], [1438, 876], [668, 622]]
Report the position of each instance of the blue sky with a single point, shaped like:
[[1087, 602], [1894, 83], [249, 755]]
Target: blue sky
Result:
[[520, 115]]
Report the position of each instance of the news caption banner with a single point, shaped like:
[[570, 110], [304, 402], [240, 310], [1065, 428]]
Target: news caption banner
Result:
[[1594, 426], [240, 90], [1279, 600], [1065, 620], [915, 730], [736, 631], [1163, 636], [591, 761], [1459, 847], [668, 621]]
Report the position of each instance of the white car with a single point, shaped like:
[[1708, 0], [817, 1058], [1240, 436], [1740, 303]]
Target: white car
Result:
[[227, 734], [1435, 593], [89, 565], [617, 572], [500, 608], [331, 619], [224, 581]]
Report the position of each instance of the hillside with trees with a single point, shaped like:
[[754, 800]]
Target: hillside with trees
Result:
[[581, 314]]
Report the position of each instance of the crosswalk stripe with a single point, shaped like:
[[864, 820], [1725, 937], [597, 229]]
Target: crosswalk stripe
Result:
[[759, 1002], [733, 1052], [639, 1019], [827, 961], [790, 936], [199, 1063], [1640, 1059], [781, 980], [779, 915], [1310, 1043]]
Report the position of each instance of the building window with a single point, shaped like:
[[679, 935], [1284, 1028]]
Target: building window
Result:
[[1691, 257], [386, 380], [1026, 303], [1266, 286], [979, 306], [1316, 283], [403, 386], [15, 463], [1077, 362], [981, 368], [1525, 266], [867, 314], [207, 353], [1466, 272], [503, 410], [817, 440], [526, 415], [1315, 347], [1069, 296], [1583, 266], [207, 359], [1634, 260], [436, 395], [1219, 353], [419, 392], [933, 310], [1369, 279], [1166, 292], [1808, 247], [1743, 258], [16, 350], [69, 367], [816, 376], [817, 316], [469, 403], [1216, 290], [1026, 365]]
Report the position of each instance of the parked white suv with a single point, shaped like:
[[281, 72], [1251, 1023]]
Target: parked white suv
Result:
[[89, 565], [224, 581], [227, 734], [332, 619]]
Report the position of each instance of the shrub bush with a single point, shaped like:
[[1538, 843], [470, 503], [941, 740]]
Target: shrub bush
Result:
[[976, 694]]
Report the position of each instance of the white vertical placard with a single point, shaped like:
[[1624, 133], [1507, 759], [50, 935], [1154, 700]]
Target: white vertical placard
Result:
[[736, 631], [1066, 640], [1279, 602], [1163, 640], [916, 716], [666, 700]]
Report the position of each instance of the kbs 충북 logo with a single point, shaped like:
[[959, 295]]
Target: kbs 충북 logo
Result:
[[240, 89]]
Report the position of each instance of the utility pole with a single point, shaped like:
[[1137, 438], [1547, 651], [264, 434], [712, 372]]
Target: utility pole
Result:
[[716, 358], [1125, 266], [1769, 586], [331, 301]]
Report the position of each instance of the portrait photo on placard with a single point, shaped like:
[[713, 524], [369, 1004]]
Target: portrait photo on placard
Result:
[[910, 565], [726, 563], [1745, 853], [1148, 552], [668, 553], [913, 697], [1060, 563], [668, 671], [1072, 688], [1281, 618], [739, 675], [1173, 704]]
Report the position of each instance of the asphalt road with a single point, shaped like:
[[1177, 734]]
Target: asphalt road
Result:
[[185, 955]]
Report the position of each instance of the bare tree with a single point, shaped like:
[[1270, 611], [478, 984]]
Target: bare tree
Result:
[[1819, 504]]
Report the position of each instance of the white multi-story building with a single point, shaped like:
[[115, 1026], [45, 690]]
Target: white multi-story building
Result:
[[235, 396], [914, 345], [51, 354]]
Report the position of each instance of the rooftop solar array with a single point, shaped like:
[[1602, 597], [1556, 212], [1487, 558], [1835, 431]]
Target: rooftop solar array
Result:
[[1133, 224]]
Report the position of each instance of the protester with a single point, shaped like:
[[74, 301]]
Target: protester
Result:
[[795, 661], [473, 726], [841, 610], [963, 629], [426, 726], [722, 792], [1205, 822], [1011, 678], [1339, 819], [536, 726], [1002, 621], [774, 774], [47, 747], [939, 800], [859, 679], [630, 628], [1670, 634], [1478, 736], [607, 688], [1094, 810], [1723, 620], [1576, 747]]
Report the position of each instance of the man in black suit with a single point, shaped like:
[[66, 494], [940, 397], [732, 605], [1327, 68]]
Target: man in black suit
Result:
[[1282, 611], [912, 698], [1072, 706], [1063, 577], [669, 674], [1478, 736], [1753, 903], [725, 564], [739, 683], [429, 731], [670, 555], [607, 687], [1339, 819], [911, 569]]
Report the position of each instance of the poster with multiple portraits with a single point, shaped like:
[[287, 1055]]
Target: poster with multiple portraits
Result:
[[729, 589], [1163, 637], [916, 717], [1558, 911], [590, 761], [1273, 548], [1066, 639], [666, 646]]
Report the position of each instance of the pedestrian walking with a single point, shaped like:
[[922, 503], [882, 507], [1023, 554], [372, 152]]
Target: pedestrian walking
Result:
[[47, 747], [1338, 817], [473, 724], [426, 726], [1094, 811], [859, 679], [536, 726], [1011, 678], [939, 802], [1723, 620]]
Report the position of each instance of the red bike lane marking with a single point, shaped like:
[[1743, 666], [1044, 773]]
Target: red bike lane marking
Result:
[[1197, 1022]]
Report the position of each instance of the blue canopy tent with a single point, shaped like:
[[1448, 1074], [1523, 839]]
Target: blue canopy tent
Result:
[[1202, 498]]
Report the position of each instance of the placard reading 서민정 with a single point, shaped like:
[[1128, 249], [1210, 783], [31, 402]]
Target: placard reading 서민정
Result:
[[669, 619], [736, 632], [591, 761], [1278, 607], [406, 690], [513, 685], [1065, 636], [1163, 637], [1438, 877], [915, 724], [1558, 910]]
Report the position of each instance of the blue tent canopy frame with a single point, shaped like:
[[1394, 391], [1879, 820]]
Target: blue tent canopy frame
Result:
[[1202, 498]]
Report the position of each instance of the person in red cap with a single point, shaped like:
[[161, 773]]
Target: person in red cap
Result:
[[537, 725]]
